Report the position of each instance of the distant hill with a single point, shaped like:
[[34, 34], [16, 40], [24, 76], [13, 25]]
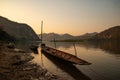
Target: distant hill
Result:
[[18, 30], [86, 36], [109, 34], [66, 37], [51, 36]]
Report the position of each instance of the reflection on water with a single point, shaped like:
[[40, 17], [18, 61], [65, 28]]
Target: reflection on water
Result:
[[25, 44], [68, 68], [112, 47], [104, 56]]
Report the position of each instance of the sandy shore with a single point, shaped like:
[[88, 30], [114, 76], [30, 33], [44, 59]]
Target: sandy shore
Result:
[[15, 64]]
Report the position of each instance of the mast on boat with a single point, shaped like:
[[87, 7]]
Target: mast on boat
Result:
[[41, 30]]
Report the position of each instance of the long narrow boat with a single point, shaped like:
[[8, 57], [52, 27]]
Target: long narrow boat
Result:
[[63, 55]]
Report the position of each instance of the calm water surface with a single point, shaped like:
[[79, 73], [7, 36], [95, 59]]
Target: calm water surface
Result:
[[104, 56]]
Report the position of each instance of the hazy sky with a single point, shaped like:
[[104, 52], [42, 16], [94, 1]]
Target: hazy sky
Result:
[[63, 16]]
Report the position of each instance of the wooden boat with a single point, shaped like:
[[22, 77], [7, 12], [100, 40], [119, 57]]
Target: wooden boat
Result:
[[60, 54], [63, 55]]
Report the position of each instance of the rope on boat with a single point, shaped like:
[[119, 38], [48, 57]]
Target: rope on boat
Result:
[[98, 74]]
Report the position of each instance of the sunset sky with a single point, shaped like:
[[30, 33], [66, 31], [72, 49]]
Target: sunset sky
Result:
[[63, 16]]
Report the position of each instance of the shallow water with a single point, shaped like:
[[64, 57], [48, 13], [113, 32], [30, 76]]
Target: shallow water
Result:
[[104, 56]]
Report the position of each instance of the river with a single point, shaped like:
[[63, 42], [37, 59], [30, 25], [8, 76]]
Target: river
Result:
[[104, 56]]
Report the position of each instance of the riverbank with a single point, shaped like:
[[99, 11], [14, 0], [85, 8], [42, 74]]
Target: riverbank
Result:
[[16, 64]]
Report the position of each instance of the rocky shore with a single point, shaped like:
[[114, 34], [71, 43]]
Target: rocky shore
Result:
[[15, 64]]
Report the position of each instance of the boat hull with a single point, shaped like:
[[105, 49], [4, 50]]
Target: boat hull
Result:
[[64, 56]]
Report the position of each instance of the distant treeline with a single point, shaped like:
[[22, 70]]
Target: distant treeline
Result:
[[67, 40], [84, 40]]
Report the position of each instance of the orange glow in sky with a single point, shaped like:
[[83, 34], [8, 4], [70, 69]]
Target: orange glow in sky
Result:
[[63, 16]]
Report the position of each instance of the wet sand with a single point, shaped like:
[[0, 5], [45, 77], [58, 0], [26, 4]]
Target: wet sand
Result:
[[16, 64]]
